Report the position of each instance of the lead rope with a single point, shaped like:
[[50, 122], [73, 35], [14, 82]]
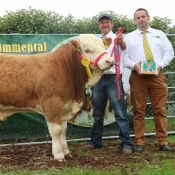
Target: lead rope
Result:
[[116, 53]]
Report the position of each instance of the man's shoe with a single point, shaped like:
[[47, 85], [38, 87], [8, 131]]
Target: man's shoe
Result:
[[88, 146], [138, 148], [126, 151], [165, 148]]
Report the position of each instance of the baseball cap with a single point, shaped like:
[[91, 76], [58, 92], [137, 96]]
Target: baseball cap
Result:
[[104, 16]]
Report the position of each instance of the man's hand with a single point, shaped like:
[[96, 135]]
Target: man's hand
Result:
[[120, 41], [159, 68], [137, 68]]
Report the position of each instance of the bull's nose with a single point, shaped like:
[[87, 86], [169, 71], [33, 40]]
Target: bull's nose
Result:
[[110, 61]]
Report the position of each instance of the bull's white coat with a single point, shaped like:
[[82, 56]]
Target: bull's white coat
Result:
[[39, 83]]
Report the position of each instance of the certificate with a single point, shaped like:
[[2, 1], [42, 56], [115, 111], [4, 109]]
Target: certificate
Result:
[[149, 68]]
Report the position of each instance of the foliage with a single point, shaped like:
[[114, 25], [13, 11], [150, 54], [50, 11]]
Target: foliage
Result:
[[33, 21], [29, 21], [161, 24], [171, 37]]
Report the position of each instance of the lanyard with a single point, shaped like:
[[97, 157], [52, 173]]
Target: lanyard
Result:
[[116, 53]]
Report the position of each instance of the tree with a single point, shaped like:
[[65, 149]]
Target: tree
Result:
[[33, 21], [30, 21]]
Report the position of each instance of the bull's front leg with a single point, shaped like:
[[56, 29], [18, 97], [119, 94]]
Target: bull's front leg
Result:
[[55, 131], [52, 109], [63, 139]]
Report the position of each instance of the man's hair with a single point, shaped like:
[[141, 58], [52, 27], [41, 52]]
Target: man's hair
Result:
[[139, 9]]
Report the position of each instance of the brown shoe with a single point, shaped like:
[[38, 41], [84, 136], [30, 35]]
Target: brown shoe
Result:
[[88, 146], [127, 151]]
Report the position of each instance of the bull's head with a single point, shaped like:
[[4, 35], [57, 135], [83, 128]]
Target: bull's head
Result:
[[93, 48]]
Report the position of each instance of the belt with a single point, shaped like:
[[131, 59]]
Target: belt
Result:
[[133, 71], [108, 75]]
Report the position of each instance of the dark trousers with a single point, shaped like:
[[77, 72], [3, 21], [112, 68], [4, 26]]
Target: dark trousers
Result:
[[106, 89]]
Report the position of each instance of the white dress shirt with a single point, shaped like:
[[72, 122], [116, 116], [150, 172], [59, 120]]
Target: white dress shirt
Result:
[[122, 55], [161, 47]]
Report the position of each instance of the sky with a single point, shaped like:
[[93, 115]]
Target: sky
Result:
[[89, 8]]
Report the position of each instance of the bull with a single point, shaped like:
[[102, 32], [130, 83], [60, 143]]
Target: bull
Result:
[[53, 83]]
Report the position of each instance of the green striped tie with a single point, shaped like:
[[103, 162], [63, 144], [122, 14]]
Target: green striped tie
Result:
[[147, 49]]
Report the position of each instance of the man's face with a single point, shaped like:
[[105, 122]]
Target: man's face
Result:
[[141, 20], [105, 25]]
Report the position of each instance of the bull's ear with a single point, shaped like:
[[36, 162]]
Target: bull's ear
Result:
[[76, 44], [107, 42]]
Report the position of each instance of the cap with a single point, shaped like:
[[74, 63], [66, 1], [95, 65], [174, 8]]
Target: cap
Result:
[[104, 16]]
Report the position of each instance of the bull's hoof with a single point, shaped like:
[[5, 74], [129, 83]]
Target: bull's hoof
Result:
[[59, 157], [69, 155], [61, 160], [66, 152]]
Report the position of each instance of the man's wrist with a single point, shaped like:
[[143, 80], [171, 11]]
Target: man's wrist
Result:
[[123, 45]]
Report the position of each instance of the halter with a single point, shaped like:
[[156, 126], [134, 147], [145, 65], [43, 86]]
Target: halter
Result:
[[94, 63], [86, 62]]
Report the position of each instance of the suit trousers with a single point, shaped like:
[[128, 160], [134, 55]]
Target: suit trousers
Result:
[[154, 87]]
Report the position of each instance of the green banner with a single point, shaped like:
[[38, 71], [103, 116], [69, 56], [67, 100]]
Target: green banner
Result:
[[30, 44]]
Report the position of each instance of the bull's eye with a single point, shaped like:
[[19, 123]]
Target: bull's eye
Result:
[[87, 51]]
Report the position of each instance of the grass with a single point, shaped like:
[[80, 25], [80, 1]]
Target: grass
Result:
[[150, 127], [65, 171], [147, 163], [151, 162], [163, 167]]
